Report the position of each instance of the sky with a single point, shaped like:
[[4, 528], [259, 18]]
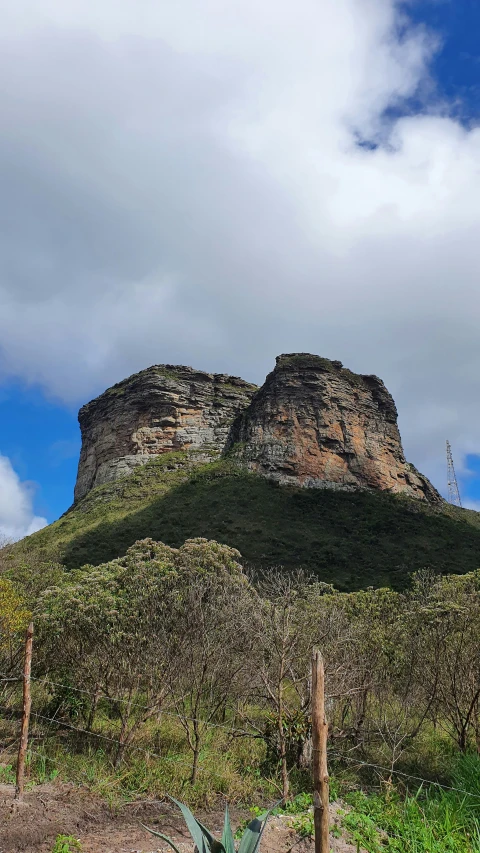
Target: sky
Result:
[[212, 184]]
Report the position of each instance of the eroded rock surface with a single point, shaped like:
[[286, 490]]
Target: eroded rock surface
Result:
[[313, 424], [316, 424], [161, 409]]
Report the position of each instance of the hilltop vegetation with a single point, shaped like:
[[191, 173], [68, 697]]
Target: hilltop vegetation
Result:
[[168, 671], [351, 539], [175, 613]]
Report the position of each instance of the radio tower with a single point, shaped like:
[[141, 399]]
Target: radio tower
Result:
[[453, 493]]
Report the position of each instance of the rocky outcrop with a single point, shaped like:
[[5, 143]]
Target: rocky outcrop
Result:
[[312, 424], [316, 424], [161, 409]]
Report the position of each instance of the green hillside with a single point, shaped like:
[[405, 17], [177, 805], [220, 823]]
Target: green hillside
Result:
[[351, 539]]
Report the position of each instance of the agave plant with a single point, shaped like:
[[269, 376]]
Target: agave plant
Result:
[[206, 843]]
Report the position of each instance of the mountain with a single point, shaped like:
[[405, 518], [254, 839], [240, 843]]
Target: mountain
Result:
[[316, 424], [306, 471], [161, 409], [313, 423]]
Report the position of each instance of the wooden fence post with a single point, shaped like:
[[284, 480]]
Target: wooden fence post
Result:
[[27, 704], [320, 768]]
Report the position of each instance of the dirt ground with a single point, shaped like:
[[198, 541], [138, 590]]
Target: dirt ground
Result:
[[55, 808]]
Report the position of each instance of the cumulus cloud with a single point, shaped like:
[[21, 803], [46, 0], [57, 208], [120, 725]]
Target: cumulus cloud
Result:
[[213, 184], [17, 518]]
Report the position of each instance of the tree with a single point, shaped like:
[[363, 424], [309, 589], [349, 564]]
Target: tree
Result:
[[445, 614], [158, 622], [108, 626], [284, 641], [14, 618], [214, 630]]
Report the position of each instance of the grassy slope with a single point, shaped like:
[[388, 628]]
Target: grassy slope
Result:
[[349, 539]]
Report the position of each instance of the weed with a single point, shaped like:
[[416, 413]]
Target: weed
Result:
[[301, 803], [303, 824], [41, 768], [66, 844], [430, 820], [221, 770], [7, 774]]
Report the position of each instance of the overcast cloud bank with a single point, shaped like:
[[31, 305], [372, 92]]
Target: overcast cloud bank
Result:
[[213, 184]]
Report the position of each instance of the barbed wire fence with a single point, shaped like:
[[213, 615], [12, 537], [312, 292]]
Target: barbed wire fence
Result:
[[179, 760]]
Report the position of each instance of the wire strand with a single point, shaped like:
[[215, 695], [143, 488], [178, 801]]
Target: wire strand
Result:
[[101, 695], [146, 752], [331, 753], [402, 773], [340, 756]]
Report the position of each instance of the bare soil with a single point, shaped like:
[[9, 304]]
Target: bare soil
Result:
[[63, 809]]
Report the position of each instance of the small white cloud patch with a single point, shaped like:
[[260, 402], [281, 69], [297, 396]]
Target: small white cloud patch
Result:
[[17, 518]]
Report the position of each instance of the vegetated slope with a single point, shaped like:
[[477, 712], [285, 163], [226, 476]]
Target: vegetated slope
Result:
[[351, 539]]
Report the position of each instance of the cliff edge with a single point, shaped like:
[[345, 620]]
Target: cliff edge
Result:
[[313, 424], [159, 410], [316, 424]]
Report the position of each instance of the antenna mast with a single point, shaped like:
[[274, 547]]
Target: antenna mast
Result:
[[453, 492]]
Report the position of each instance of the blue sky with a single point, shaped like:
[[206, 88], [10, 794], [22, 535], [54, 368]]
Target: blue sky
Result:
[[456, 65], [191, 193], [456, 72], [42, 440]]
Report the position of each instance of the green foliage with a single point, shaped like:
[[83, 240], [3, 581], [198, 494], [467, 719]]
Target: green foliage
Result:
[[66, 844], [159, 624], [41, 768], [65, 698], [351, 539], [7, 774], [160, 763], [299, 807], [295, 729], [31, 573], [204, 840], [303, 824], [117, 606], [416, 823], [171, 657], [466, 777], [299, 804], [14, 615], [433, 820], [14, 618]]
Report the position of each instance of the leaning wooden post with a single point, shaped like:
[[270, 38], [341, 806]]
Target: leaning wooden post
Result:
[[320, 768], [27, 704]]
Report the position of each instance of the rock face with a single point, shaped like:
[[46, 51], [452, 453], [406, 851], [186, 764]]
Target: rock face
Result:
[[161, 409], [316, 424], [312, 424]]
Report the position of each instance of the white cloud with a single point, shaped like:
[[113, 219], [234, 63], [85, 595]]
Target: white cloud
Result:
[[182, 182], [17, 518]]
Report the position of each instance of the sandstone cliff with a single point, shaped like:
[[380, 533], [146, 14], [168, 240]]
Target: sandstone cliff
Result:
[[160, 409], [315, 424]]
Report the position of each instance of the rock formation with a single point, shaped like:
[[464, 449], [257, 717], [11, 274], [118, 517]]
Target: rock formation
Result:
[[161, 409], [312, 424], [316, 424]]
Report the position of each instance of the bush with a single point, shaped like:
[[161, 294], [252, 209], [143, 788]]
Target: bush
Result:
[[66, 844]]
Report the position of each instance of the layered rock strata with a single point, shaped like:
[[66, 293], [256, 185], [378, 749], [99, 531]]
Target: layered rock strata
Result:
[[161, 409], [312, 424], [316, 424]]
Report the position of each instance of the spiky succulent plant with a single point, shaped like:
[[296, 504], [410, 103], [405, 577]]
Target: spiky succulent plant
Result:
[[206, 843]]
